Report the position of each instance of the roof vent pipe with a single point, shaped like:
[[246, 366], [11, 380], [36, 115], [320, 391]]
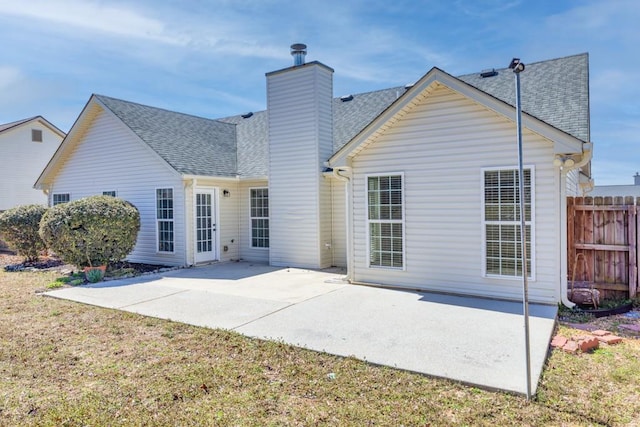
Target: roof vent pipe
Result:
[[298, 51]]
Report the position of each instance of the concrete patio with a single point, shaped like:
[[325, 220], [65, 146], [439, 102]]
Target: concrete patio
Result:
[[472, 340]]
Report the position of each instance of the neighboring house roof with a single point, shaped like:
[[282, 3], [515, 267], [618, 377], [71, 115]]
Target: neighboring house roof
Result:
[[18, 123], [615, 190], [554, 91], [14, 124]]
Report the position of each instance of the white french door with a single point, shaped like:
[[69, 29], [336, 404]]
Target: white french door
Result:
[[205, 225]]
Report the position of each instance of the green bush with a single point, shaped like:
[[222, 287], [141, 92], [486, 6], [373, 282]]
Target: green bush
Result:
[[19, 228], [93, 231]]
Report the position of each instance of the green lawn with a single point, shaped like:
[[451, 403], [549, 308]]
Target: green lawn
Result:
[[67, 364]]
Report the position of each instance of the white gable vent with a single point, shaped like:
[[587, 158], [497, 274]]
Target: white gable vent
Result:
[[346, 98], [36, 135]]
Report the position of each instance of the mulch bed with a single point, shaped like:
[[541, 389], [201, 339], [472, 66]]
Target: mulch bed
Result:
[[13, 263]]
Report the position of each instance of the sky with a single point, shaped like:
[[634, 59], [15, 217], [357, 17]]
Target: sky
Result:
[[209, 57]]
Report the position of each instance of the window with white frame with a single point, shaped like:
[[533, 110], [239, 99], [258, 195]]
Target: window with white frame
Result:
[[164, 217], [109, 193], [259, 217], [385, 219], [503, 247], [59, 198]]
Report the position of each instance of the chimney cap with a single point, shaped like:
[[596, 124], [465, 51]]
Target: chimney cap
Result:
[[298, 51]]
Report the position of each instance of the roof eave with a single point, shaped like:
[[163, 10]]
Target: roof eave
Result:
[[46, 123]]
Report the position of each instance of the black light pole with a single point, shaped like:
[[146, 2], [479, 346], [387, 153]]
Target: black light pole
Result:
[[517, 68]]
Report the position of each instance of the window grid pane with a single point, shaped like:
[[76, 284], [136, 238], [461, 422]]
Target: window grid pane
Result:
[[503, 245], [60, 198], [204, 223], [260, 217], [164, 216], [385, 215]]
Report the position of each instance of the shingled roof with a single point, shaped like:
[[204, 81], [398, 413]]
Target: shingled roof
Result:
[[555, 91], [191, 145]]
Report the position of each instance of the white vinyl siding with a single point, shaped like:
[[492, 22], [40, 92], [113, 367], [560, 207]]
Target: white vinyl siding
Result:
[[503, 248], [21, 163], [259, 217], [115, 158], [59, 198], [164, 215], [441, 146], [300, 139], [573, 184], [385, 221]]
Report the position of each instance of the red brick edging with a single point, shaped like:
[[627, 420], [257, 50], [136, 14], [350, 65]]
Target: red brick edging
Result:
[[584, 343]]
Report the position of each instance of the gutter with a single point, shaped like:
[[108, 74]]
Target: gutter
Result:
[[567, 165], [349, 209]]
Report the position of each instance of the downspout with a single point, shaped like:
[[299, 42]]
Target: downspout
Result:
[[348, 210], [587, 155]]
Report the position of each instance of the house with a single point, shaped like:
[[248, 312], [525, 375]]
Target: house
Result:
[[618, 190], [26, 146], [411, 187]]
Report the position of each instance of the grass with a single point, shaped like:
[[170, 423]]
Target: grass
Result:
[[68, 364]]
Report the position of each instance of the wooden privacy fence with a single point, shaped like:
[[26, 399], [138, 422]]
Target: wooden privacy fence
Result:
[[605, 231]]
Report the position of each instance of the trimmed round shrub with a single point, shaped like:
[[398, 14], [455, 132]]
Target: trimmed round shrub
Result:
[[19, 228], [93, 231]]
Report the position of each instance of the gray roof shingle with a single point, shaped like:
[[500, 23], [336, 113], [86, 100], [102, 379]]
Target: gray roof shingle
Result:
[[253, 143], [191, 145], [555, 91]]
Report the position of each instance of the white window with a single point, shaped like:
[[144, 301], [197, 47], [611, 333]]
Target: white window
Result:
[[109, 193], [59, 198], [164, 216], [503, 248], [385, 220], [259, 217]]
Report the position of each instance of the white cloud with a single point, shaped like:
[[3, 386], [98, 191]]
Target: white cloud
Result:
[[91, 16], [485, 8], [9, 76]]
